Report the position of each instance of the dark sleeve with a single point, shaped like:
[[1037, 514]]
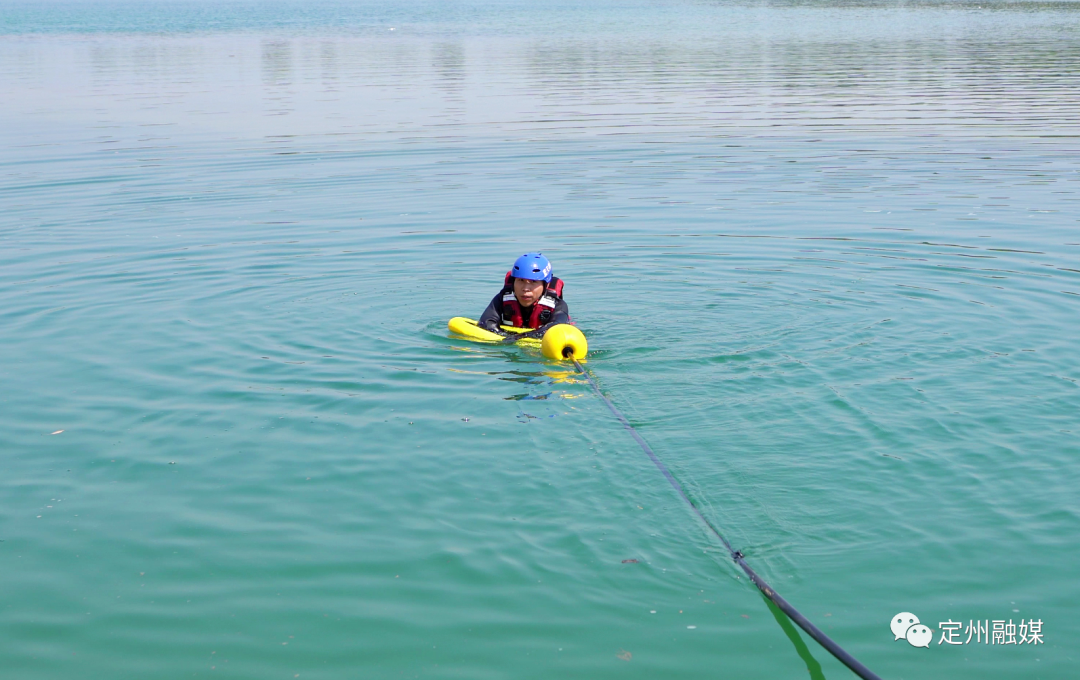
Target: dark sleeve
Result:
[[561, 313], [491, 317]]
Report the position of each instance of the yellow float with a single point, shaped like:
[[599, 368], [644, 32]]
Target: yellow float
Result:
[[560, 342]]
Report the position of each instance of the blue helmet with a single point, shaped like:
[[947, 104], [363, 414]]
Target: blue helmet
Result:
[[532, 266]]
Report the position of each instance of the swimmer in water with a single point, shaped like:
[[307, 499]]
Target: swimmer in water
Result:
[[530, 298]]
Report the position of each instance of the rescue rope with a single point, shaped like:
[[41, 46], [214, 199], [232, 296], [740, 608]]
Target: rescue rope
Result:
[[766, 590]]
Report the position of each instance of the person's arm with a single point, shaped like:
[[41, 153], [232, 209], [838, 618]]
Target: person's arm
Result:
[[491, 317], [561, 313]]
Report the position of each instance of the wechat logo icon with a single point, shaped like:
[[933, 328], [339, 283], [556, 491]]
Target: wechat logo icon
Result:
[[906, 626]]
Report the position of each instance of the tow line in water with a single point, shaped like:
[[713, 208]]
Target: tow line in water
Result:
[[766, 590]]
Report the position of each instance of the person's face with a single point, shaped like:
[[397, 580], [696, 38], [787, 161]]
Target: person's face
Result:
[[528, 292]]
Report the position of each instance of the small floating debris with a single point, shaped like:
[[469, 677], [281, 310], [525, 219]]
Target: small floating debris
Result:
[[630, 561]]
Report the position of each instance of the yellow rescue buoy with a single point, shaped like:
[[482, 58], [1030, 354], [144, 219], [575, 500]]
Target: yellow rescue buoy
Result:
[[560, 342], [564, 342], [469, 329]]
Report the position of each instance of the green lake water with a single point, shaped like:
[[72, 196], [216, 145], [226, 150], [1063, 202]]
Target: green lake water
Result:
[[827, 256]]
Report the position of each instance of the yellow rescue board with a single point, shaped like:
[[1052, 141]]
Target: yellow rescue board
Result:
[[469, 329], [560, 342]]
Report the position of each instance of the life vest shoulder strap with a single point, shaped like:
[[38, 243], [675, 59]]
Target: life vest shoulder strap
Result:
[[555, 287]]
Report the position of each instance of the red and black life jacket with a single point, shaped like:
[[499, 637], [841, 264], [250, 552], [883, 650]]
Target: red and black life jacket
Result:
[[541, 311]]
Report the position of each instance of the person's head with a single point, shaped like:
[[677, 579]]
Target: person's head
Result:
[[528, 291], [532, 273]]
